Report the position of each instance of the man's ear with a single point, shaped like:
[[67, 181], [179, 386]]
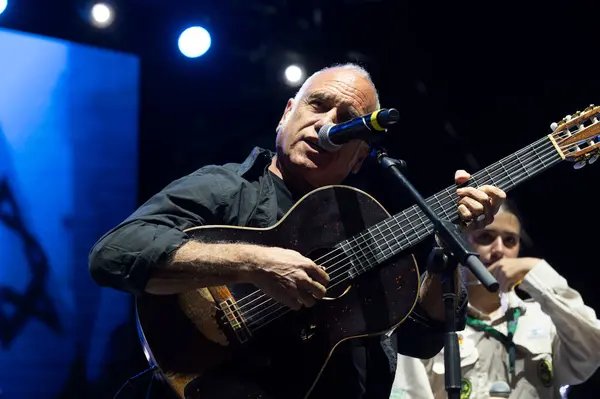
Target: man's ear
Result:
[[286, 113]]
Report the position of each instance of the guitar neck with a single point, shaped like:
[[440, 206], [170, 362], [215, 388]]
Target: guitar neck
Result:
[[411, 226]]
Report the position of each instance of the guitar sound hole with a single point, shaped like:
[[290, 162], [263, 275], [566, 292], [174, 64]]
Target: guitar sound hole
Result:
[[337, 266]]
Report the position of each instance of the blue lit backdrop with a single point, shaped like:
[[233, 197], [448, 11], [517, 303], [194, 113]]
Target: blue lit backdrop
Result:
[[68, 167]]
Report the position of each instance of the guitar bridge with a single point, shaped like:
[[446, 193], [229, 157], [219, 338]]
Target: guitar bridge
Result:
[[233, 317]]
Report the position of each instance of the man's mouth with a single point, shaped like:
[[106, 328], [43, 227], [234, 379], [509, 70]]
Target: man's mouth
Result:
[[313, 144]]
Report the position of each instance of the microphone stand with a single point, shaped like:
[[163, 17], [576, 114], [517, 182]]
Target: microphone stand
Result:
[[444, 258]]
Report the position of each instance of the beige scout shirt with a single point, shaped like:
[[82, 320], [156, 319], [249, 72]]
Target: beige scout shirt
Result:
[[557, 341]]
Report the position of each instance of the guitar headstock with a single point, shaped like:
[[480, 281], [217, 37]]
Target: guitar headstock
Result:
[[576, 136]]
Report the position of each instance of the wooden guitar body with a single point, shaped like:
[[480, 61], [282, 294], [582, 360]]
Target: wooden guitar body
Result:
[[232, 343]]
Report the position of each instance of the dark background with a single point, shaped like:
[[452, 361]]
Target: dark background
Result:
[[474, 82]]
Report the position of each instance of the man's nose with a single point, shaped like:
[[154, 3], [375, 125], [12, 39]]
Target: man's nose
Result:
[[327, 118]]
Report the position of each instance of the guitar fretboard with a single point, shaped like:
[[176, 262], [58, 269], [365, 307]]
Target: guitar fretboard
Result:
[[411, 226]]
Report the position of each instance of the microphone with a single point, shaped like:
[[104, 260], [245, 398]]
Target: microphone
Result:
[[499, 389], [331, 136]]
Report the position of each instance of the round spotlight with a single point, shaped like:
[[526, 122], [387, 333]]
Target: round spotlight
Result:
[[294, 75], [3, 5], [194, 42], [102, 15]]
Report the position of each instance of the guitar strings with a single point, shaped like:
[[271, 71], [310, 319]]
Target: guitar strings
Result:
[[415, 212], [528, 148], [256, 319], [255, 322], [251, 316], [363, 255]]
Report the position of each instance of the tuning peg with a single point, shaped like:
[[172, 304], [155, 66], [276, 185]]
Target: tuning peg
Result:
[[553, 126], [584, 160], [594, 158], [580, 164], [591, 107]]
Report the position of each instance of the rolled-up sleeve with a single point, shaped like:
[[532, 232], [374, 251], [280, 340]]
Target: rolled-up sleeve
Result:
[[126, 257]]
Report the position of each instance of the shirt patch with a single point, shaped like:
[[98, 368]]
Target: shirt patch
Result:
[[537, 333], [545, 373], [465, 388]]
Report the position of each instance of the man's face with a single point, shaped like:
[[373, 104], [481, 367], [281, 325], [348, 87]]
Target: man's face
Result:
[[333, 96]]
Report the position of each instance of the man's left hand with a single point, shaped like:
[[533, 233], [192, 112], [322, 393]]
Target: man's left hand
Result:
[[475, 202], [510, 271]]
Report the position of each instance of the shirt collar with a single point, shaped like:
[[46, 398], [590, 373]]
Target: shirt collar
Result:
[[256, 162], [507, 300]]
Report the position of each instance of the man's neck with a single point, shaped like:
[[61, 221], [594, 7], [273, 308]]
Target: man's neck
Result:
[[296, 186], [483, 300]]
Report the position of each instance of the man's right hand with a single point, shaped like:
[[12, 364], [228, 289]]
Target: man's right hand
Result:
[[287, 276]]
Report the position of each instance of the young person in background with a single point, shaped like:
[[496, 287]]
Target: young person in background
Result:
[[531, 347]]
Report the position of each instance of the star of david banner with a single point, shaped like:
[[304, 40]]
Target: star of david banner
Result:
[[68, 167]]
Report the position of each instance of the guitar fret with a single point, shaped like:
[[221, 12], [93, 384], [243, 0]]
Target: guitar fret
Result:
[[349, 253], [540, 159], [384, 238], [393, 234], [523, 166], [490, 177], [362, 258], [452, 200], [423, 221], [441, 209], [411, 227], [405, 235], [475, 180], [507, 175], [440, 204]]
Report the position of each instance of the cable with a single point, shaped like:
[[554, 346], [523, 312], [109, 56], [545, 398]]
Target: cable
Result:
[[129, 381]]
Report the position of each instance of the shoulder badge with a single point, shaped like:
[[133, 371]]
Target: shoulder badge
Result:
[[465, 388], [545, 374]]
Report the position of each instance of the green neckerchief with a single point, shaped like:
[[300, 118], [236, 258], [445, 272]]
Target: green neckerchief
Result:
[[512, 318]]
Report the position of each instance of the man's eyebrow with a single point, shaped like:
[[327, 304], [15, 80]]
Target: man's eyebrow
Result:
[[352, 111], [321, 96]]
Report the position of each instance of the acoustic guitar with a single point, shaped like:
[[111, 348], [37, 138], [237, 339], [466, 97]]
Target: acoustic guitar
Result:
[[233, 342]]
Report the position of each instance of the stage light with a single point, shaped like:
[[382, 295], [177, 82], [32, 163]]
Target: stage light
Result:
[[102, 15], [194, 42], [3, 5], [294, 75]]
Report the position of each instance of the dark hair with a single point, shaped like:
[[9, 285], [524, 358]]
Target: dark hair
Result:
[[511, 207]]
